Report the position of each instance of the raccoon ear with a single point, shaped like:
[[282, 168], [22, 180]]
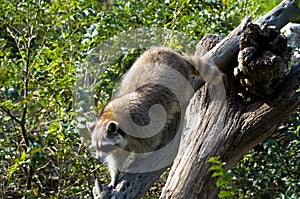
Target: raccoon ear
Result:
[[90, 126], [112, 127]]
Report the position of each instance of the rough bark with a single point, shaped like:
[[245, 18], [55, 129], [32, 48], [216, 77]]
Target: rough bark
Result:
[[244, 126], [225, 51]]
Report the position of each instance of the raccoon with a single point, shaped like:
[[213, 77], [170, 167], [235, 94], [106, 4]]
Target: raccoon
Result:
[[146, 112]]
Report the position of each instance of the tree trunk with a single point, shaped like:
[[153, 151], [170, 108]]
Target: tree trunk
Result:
[[245, 124], [213, 129], [245, 127]]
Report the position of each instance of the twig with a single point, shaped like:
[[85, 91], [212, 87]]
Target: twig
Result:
[[7, 111]]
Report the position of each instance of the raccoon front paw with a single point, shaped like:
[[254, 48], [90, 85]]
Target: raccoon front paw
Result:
[[111, 185]]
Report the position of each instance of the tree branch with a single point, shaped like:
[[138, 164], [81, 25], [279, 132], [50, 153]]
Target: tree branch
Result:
[[283, 102], [245, 124], [285, 12], [226, 50], [7, 111]]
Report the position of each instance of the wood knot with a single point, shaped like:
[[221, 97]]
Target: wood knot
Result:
[[262, 60]]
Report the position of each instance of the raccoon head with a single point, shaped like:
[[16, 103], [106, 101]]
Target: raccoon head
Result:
[[106, 137]]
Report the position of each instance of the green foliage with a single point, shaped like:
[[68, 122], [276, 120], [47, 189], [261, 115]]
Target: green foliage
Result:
[[224, 178], [267, 5], [41, 155], [271, 170], [43, 45]]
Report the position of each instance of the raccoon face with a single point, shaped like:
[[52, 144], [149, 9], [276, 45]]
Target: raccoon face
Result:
[[106, 137]]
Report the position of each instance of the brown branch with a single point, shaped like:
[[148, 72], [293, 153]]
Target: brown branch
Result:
[[7, 111], [245, 124], [26, 90], [225, 51], [256, 117], [285, 12]]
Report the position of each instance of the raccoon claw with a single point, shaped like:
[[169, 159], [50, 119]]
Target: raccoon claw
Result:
[[110, 186]]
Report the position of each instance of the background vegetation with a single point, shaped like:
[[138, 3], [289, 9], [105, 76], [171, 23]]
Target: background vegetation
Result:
[[43, 44]]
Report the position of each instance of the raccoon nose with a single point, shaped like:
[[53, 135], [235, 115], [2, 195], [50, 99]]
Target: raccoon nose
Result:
[[107, 148]]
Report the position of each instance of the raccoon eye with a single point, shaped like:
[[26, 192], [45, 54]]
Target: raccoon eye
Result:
[[112, 127]]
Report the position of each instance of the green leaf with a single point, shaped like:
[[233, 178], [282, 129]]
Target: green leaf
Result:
[[218, 173], [224, 194], [215, 167]]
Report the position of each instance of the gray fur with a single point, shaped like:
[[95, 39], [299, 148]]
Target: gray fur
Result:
[[152, 97]]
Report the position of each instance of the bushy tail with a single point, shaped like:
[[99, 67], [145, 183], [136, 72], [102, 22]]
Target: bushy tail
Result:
[[205, 70], [210, 73]]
